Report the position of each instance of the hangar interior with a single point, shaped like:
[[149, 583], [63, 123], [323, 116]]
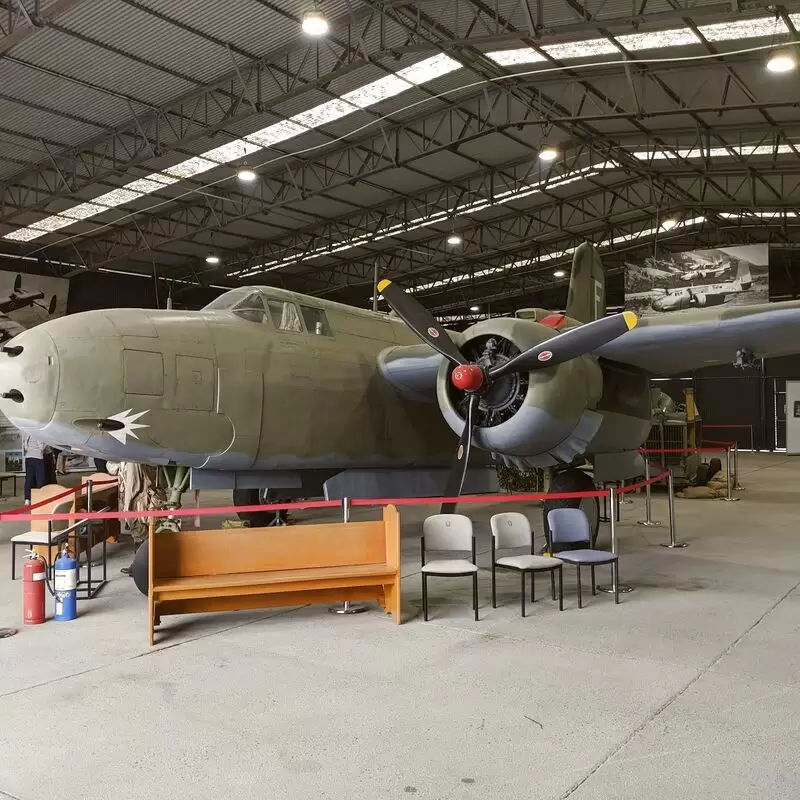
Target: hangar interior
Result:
[[156, 154]]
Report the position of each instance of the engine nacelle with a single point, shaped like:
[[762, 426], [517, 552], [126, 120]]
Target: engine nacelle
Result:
[[539, 417]]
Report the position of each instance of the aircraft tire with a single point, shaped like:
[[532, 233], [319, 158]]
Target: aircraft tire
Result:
[[573, 480], [140, 569], [254, 497]]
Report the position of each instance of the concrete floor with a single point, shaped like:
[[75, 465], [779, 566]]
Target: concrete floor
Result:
[[689, 688]]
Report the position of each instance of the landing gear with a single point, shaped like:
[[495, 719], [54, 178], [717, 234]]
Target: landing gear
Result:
[[258, 497], [573, 480]]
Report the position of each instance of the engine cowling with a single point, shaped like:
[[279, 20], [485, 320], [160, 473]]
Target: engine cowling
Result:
[[536, 417]]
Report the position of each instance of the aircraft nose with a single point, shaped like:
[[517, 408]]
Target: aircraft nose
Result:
[[29, 379]]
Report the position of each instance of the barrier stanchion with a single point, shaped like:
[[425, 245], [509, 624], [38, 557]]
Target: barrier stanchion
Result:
[[648, 520], [673, 542], [729, 481], [347, 607], [623, 588], [737, 487]]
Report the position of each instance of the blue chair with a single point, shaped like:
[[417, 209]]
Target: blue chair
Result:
[[571, 526]]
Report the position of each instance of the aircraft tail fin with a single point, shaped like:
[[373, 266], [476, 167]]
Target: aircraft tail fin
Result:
[[743, 274], [587, 285]]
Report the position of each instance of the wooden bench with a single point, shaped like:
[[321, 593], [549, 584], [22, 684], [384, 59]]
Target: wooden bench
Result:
[[242, 568]]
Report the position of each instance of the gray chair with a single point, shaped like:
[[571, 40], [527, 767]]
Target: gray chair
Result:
[[512, 531], [571, 526], [448, 533]]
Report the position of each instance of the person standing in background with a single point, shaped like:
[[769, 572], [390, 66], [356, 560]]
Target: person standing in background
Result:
[[35, 470]]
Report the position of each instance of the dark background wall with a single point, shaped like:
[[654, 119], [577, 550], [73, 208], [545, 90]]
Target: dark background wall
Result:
[[92, 290]]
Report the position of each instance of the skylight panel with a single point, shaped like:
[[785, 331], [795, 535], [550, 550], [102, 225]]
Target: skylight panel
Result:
[[24, 235], [508, 58], [324, 113], [83, 211], [52, 223], [239, 148], [150, 183], [430, 68], [653, 40], [278, 132], [586, 49], [375, 92], [743, 29], [117, 197], [190, 167]]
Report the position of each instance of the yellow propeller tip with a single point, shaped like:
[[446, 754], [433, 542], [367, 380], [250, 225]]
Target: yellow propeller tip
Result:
[[631, 320], [382, 285]]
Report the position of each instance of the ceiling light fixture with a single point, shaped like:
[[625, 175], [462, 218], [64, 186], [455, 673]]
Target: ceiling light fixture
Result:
[[245, 174], [454, 239], [212, 260], [548, 154], [668, 224], [782, 61], [474, 308], [559, 273], [315, 23]]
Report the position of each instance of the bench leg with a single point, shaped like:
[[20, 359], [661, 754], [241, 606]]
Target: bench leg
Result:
[[151, 617], [424, 597], [393, 605]]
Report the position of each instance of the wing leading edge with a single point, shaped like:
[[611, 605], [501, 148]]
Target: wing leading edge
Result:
[[689, 340]]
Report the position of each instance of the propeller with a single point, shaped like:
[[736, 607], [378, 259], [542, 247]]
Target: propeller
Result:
[[475, 379]]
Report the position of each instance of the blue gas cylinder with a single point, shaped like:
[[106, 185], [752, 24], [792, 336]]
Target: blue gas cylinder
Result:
[[65, 587]]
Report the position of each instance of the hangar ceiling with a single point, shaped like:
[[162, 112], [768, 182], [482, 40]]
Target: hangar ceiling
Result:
[[123, 123]]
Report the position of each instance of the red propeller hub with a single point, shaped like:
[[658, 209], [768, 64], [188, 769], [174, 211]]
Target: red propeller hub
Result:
[[467, 377]]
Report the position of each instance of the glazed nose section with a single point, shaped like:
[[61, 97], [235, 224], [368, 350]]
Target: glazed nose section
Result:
[[29, 372]]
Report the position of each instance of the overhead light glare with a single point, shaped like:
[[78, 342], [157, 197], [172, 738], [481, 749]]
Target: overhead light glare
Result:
[[782, 62], [669, 224], [315, 23], [454, 239], [548, 154], [245, 174], [559, 273], [212, 260], [474, 308]]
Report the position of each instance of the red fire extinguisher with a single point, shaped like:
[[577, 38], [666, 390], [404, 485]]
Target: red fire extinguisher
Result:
[[34, 575]]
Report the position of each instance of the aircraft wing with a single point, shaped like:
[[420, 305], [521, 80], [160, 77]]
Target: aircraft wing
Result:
[[687, 340]]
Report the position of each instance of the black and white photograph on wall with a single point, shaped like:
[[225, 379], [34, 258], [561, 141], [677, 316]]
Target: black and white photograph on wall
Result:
[[25, 301], [676, 282]]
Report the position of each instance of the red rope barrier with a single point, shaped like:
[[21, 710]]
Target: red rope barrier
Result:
[[67, 493], [400, 501], [683, 450]]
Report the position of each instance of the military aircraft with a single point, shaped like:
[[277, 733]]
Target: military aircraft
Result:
[[709, 295], [15, 301], [268, 391], [704, 272]]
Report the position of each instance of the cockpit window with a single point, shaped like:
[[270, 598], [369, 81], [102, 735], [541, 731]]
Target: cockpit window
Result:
[[316, 321], [229, 299], [284, 315], [251, 308]]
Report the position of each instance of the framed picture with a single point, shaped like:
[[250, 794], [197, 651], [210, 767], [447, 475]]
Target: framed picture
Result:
[[13, 461]]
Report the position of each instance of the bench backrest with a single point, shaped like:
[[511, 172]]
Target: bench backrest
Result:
[[235, 550], [43, 493]]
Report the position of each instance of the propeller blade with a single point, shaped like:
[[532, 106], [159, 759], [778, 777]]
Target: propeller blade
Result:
[[458, 472], [570, 344], [421, 321]]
